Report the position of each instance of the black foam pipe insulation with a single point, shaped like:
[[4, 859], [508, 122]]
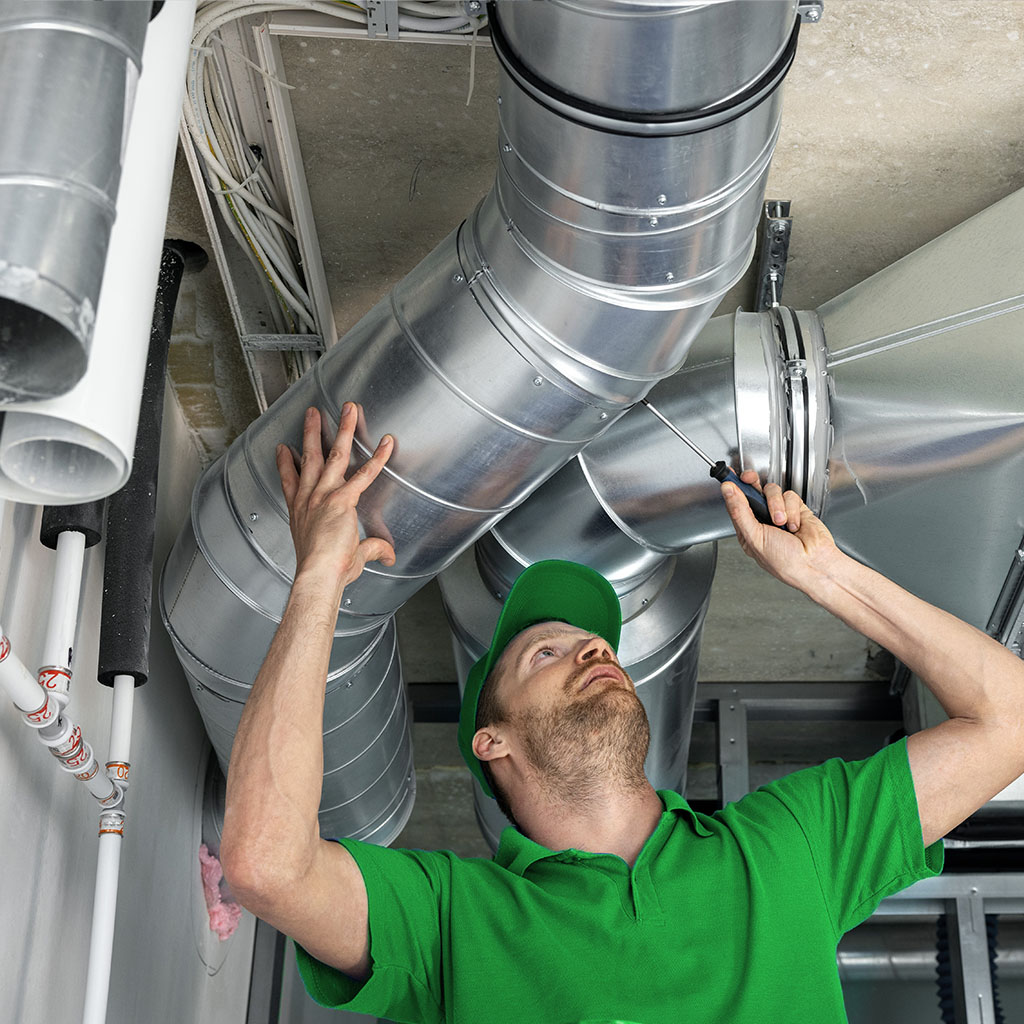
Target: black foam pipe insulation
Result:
[[86, 518], [131, 512]]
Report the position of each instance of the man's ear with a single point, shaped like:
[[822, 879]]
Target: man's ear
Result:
[[489, 744]]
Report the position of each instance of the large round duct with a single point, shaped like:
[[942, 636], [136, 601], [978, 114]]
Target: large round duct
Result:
[[895, 410], [501, 355], [60, 163], [664, 601], [79, 447]]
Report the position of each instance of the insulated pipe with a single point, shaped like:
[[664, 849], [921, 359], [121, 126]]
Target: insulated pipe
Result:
[[493, 363], [131, 512], [60, 161], [79, 447]]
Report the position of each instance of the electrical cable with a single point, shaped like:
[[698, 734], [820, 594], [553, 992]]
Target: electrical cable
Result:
[[239, 180]]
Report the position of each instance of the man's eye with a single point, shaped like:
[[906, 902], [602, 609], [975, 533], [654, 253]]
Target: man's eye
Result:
[[545, 650]]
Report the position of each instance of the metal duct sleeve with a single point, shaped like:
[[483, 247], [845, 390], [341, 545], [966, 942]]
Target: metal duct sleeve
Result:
[[635, 221], [131, 512], [68, 73], [650, 484], [675, 57]]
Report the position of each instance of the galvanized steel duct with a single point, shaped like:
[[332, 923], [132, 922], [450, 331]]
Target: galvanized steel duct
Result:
[[895, 409], [581, 279], [68, 73]]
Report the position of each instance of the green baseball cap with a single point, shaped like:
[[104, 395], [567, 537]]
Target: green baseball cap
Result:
[[548, 591]]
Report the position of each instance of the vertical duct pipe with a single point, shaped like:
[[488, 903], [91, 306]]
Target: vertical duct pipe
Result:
[[895, 409], [497, 359], [68, 73], [78, 447], [664, 600]]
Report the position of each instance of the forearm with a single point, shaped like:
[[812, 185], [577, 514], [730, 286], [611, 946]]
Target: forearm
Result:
[[971, 675], [276, 769]]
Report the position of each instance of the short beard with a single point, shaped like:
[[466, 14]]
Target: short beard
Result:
[[588, 746]]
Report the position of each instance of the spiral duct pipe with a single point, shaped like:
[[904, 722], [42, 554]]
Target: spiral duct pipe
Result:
[[60, 163], [581, 279], [895, 410]]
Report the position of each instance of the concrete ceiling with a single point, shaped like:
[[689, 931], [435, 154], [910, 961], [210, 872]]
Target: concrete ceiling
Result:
[[900, 120]]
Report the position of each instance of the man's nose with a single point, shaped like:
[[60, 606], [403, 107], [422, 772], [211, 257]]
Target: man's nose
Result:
[[595, 648]]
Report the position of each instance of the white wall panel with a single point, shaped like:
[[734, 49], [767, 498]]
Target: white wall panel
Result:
[[167, 965]]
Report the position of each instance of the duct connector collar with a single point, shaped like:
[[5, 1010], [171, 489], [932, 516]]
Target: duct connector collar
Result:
[[754, 392]]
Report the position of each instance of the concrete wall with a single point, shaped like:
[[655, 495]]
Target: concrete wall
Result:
[[168, 966]]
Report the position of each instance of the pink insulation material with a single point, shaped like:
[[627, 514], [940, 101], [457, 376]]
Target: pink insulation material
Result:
[[224, 915]]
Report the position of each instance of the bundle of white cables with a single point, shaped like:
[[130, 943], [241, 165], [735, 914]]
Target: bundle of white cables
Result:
[[237, 176]]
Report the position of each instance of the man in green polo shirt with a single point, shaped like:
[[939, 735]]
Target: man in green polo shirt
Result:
[[609, 901]]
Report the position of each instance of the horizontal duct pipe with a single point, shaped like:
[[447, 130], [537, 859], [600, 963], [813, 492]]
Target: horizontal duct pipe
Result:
[[895, 410], [68, 73], [78, 447], [497, 359]]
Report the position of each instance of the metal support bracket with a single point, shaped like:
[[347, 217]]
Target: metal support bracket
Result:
[[810, 10], [733, 754], [1006, 623], [382, 18], [776, 228], [968, 950]]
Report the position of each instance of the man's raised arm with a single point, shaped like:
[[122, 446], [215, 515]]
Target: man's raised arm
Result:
[[273, 856], [959, 764]]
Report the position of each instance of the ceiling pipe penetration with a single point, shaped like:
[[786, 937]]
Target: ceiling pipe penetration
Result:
[[581, 279], [60, 164]]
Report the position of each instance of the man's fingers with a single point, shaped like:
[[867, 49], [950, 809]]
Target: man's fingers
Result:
[[776, 502], [736, 504], [749, 476], [337, 458], [370, 470], [794, 510], [288, 473], [376, 549], [312, 451]]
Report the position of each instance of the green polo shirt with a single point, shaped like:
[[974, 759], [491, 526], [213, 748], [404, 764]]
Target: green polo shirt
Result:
[[730, 918]]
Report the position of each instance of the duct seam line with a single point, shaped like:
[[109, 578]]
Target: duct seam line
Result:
[[400, 707], [712, 204], [81, 189], [380, 682], [610, 512], [965, 318], [645, 123], [71, 29], [438, 372]]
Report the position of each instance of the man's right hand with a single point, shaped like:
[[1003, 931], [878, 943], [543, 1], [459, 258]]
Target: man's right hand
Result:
[[802, 550], [322, 502]]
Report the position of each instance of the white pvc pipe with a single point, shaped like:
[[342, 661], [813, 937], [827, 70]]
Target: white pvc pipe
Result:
[[79, 447], [55, 669], [121, 728], [101, 943], [20, 685]]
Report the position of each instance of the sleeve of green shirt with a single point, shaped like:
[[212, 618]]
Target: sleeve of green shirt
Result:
[[408, 913], [861, 824]]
